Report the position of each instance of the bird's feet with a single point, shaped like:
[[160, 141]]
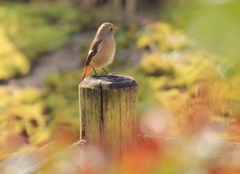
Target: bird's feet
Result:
[[113, 73], [96, 75]]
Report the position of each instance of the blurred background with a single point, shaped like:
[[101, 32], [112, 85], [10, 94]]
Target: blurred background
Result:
[[184, 55]]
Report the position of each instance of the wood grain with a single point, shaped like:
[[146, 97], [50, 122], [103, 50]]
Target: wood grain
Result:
[[108, 112]]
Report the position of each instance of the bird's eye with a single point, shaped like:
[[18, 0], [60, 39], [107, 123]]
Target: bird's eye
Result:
[[111, 28]]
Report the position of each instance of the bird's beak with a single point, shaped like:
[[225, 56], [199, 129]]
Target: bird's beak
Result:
[[115, 28]]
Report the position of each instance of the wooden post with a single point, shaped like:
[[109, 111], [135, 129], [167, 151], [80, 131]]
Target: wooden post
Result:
[[108, 112]]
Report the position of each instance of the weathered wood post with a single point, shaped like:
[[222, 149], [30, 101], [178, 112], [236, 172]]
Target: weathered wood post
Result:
[[108, 112]]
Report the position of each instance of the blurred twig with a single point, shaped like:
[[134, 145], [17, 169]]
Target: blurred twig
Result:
[[36, 167], [141, 138]]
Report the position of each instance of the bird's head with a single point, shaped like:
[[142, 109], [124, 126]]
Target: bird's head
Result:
[[107, 29]]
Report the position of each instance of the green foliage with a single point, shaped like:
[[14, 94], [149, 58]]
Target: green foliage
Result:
[[61, 96], [12, 60], [146, 98], [156, 65], [126, 36], [214, 25], [162, 36], [29, 30], [22, 119], [40, 28], [33, 116], [185, 80]]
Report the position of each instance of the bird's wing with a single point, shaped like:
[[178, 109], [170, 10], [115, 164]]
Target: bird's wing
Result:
[[95, 47]]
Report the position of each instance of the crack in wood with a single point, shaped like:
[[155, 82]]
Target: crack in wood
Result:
[[101, 115]]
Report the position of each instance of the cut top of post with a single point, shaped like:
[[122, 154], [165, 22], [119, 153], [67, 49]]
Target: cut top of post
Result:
[[108, 82]]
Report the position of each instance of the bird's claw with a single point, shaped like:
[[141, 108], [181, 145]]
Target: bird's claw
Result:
[[96, 75], [113, 73]]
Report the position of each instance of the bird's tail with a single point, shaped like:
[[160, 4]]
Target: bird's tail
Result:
[[87, 70]]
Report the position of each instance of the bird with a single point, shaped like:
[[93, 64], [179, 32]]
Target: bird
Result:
[[102, 49]]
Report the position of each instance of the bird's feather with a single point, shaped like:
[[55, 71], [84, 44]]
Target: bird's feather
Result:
[[87, 70], [93, 50]]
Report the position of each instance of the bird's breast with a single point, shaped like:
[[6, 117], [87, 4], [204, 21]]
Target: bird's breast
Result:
[[105, 53]]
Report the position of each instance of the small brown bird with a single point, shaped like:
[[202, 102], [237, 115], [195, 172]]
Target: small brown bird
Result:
[[102, 49]]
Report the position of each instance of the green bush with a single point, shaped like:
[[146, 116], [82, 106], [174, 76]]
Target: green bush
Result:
[[30, 30], [40, 28], [163, 37], [61, 95], [156, 65]]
